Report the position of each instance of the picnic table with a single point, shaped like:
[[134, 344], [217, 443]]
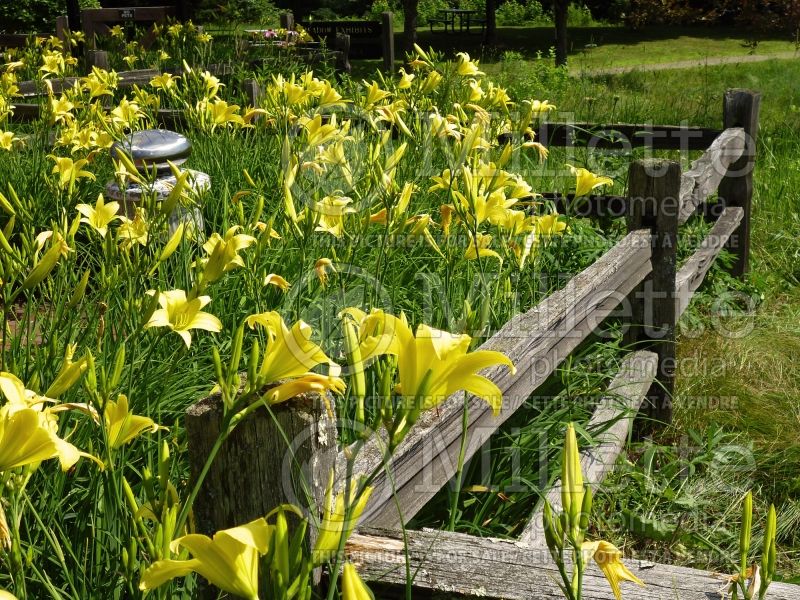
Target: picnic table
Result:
[[464, 15]]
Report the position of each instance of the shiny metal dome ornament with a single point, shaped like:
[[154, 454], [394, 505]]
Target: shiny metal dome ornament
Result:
[[152, 149]]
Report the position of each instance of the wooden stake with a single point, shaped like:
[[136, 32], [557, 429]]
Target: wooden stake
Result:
[[654, 190], [740, 109]]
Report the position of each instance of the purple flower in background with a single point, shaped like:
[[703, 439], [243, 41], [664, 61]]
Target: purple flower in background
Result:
[[269, 33]]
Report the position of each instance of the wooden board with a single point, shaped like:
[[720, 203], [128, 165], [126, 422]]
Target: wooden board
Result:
[[703, 179], [618, 406], [29, 89], [693, 272], [455, 565], [536, 341], [623, 136]]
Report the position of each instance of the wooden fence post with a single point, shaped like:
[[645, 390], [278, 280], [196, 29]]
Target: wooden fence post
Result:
[[255, 470], [287, 20], [62, 25], [387, 35], [740, 109], [654, 189], [252, 92], [97, 58]]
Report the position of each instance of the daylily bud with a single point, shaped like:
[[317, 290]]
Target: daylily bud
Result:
[[358, 384], [744, 534], [80, 291], [119, 364], [172, 244], [46, 264]]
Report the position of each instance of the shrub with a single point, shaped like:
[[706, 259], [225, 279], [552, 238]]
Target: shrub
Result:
[[579, 15], [35, 16], [381, 6], [513, 12]]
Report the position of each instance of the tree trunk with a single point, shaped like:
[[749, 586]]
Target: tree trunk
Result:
[[409, 24], [560, 9], [491, 23]]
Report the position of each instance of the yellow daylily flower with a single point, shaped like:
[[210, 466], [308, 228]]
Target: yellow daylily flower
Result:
[[4, 595], [609, 559], [70, 171], [223, 253], [52, 64], [432, 364], [182, 315], [122, 425], [134, 231], [29, 430], [331, 211], [126, 113], [7, 139], [100, 215], [322, 266], [586, 181], [290, 352], [480, 246], [465, 66], [405, 80], [334, 525], [165, 81], [353, 587], [277, 281], [550, 225], [228, 561]]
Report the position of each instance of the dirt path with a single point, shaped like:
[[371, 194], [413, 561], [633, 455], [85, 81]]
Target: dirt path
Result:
[[688, 64]]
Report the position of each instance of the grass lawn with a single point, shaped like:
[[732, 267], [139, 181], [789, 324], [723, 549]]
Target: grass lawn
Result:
[[607, 47]]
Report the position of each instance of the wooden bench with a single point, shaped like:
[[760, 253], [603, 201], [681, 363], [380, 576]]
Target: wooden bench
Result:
[[441, 21]]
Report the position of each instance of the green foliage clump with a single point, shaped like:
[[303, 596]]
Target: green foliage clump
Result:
[[35, 16]]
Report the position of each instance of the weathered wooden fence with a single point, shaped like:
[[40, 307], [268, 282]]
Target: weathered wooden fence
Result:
[[639, 272]]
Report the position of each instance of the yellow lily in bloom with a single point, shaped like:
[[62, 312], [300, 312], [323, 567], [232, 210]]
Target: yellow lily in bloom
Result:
[[318, 134], [586, 181], [322, 266], [70, 171], [122, 425], [182, 315], [405, 80], [100, 215], [540, 107], [277, 281], [289, 356], [4, 595], [117, 32], [7, 140], [212, 84], [290, 352], [52, 64], [465, 66], [223, 253], [374, 94], [165, 82], [333, 525], [331, 211], [609, 559], [480, 246], [29, 431], [99, 83], [222, 113], [61, 107], [433, 364], [353, 587], [134, 231], [550, 225], [126, 113], [229, 561]]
